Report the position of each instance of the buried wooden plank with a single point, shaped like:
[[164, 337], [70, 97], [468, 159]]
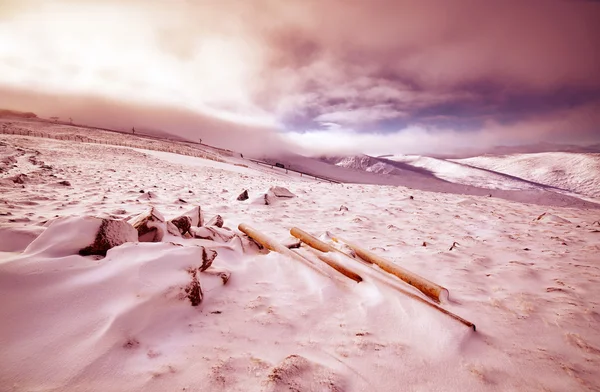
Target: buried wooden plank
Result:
[[275, 246]]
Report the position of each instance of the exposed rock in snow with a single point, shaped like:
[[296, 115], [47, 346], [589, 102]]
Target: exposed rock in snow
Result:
[[111, 233], [196, 216], [172, 229], [20, 178], [150, 225], [243, 196], [183, 223], [65, 183], [208, 256], [217, 220], [280, 191], [546, 217], [193, 289]]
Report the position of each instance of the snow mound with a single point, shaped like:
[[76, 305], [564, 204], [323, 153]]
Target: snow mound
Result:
[[113, 313], [296, 373], [17, 239]]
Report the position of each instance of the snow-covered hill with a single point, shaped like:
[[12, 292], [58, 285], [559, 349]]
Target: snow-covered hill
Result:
[[564, 173], [575, 172], [364, 162], [463, 174]]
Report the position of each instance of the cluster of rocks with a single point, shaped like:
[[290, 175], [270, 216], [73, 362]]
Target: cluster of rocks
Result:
[[151, 226]]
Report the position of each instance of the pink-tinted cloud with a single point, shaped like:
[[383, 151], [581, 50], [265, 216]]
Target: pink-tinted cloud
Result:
[[347, 67]]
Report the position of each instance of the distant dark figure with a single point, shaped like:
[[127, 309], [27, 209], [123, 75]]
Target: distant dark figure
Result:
[[200, 141], [133, 130]]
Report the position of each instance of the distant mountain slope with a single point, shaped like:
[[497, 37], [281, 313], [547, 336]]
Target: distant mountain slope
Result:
[[463, 174], [375, 165], [575, 172], [427, 168]]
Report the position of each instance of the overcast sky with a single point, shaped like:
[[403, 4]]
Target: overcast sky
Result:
[[373, 76]]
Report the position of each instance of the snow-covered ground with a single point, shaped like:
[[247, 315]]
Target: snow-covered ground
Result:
[[76, 323]]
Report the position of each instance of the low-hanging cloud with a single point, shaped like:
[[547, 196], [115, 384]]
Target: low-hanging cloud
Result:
[[562, 128], [247, 138]]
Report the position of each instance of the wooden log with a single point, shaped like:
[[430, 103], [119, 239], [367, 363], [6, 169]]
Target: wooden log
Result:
[[317, 243], [427, 287], [275, 246], [336, 265], [320, 246], [323, 247], [311, 241]]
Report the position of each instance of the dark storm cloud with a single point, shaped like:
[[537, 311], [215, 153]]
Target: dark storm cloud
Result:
[[464, 62]]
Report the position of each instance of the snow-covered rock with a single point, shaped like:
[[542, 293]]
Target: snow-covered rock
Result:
[[111, 233], [272, 196], [217, 220], [150, 225], [183, 223], [82, 235], [196, 215], [213, 233], [280, 191]]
